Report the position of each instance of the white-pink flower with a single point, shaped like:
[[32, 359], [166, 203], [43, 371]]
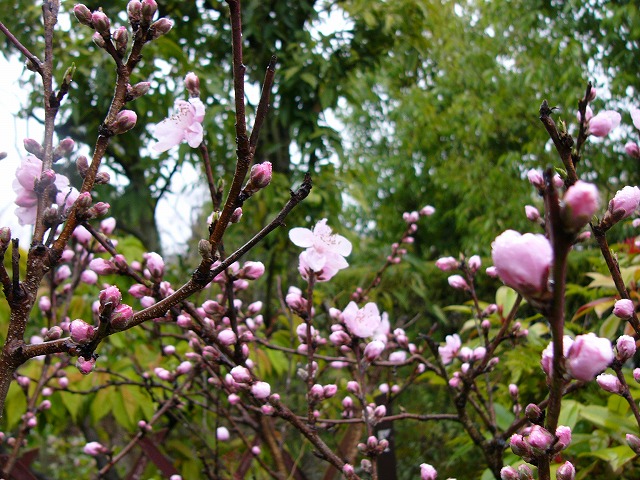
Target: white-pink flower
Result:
[[523, 261], [27, 174], [185, 125], [325, 251], [451, 349], [361, 322]]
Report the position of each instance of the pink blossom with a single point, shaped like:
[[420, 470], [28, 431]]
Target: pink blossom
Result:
[[427, 211], [566, 471], [222, 434], [261, 390], [635, 117], [580, 203], [588, 356], [457, 282], [447, 264], [609, 383], [94, 448], [427, 472], [624, 308], [523, 261], [626, 347], [325, 251], [625, 202], [361, 322], [600, 125], [451, 349], [547, 354], [399, 356], [81, 331], [27, 174], [184, 125]]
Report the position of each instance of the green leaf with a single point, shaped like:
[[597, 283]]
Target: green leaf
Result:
[[504, 416], [506, 298], [609, 327], [605, 419], [616, 457], [570, 413]]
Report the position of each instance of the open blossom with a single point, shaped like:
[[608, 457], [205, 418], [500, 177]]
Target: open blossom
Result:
[[588, 356], [27, 174], [185, 125], [325, 251], [523, 261], [362, 322], [451, 349]]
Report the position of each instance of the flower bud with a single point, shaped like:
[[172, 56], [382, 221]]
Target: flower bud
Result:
[[566, 471], [525, 473], [624, 203], [261, 390], [348, 470], [609, 383], [330, 390], [155, 264], [427, 211], [148, 10], [624, 308], [33, 146], [634, 443], [508, 473], [222, 434], [626, 347], [240, 374], [110, 295], [98, 40], [63, 149], [100, 22], [474, 263], [192, 84], [125, 121], [83, 14], [160, 28], [251, 270], [532, 213], [564, 437], [85, 367], [373, 350], [121, 317], [580, 202], [94, 448], [588, 356], [427, 472], [457, 282], [81, 331], [134, 11], [227, 337], [121, 38], [632, 149]]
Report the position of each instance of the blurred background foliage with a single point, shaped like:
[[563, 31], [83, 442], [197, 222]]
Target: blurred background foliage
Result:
[[390, 105]]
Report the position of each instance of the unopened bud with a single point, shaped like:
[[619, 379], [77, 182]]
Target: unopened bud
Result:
[[137, 90], [121, 38], [236, 215], [634, 443], [102, 178], [192, 84], [148, 10], [160, 28], [100, 22], [121, 317], [99, 40], [63, 149], [33, 146], [5, 237], [84, 201], [100, 209], [260, 175], [125, 121], [82, 165], [83, 14]]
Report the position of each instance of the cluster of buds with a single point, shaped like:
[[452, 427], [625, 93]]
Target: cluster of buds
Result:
[[373, 447], [536, 440]]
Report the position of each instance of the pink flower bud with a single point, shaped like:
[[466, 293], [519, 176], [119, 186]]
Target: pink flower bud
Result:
[[513, 390], [44, 304], [564, 437], [535, 178], [260, 175], [427, 211], [509, 473], [588, 356], [222, 434], [155, 264], [632, 149], [474, 263], [625, 202], [255, 450], [398, 356], [348, 470], [121, 317], [519, 446], [624, 308], [330, 390], [81, 331], [192, 84], [252, 270], [241, 374], [163, 374], [148, 9], [125, 121], [85, 367], [427, 472], [261, 390], [601, 124], [94, 448], [566, 471], [184, 368], [100, 22], [539, 438], [609, 383], [110, 295], [532, 213], [108, 225], [580, 202], [227, 337], [160, 27], [89, 277], [457, 282], [373, 350], [523, 261], [626, 347], [83, 14], [316, 393], [102, 266], [634, 443]]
